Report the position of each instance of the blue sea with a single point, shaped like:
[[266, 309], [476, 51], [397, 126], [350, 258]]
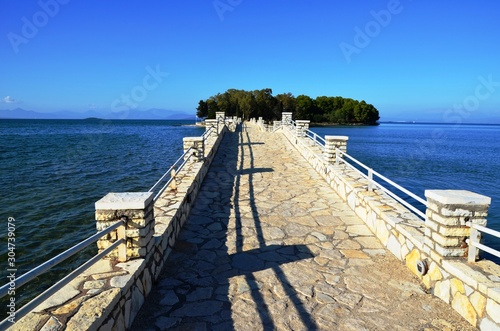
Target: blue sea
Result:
[[423, 157], [53, 171]]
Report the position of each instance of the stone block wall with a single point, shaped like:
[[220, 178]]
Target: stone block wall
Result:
[[136, 209], [301, 126], [473, 290], [109, 294]]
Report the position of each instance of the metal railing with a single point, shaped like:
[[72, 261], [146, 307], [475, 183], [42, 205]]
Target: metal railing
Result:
[[44, 267], [274, 129], [341, 157], [172, 171], [120, 243], [207, 133], [474, 245], [318, 140]]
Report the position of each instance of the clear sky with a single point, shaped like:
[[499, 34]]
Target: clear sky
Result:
[[412, 59]]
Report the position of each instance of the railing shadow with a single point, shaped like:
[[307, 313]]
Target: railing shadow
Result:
[[194, 288], [265, 317]]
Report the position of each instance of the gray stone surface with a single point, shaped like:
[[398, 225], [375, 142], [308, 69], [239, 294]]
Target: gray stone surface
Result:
[[129, 200], [270, 246]]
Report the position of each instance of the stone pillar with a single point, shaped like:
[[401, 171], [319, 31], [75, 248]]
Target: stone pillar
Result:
[[211, 124], [220, 116], [197, 145], [137, 211], [332, 143], [301, 127], [447, 213], [286, 118]]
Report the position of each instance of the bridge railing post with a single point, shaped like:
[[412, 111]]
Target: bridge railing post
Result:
[[301, 127], [331, 145], [197, 145], [220, 116], [211, 124], [136, 209], [286, 118], [447, 213]]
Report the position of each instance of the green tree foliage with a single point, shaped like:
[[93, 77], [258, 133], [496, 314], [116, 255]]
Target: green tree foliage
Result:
[[262, 103]]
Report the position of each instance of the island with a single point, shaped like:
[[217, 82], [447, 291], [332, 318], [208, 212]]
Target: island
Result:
[[323, 110]]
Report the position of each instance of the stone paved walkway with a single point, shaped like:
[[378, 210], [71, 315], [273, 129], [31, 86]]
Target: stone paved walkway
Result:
[[269, 246]]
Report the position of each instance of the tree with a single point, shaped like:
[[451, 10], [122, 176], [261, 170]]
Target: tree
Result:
[[257, 103], [305, 108], [286, 102], [202, 109], [212, 108]]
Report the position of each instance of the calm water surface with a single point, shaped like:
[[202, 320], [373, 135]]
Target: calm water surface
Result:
[[53, 171]]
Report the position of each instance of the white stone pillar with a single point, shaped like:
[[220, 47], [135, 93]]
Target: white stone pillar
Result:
[[331, 144], [136, 209], [221, 120], [301, 127], [447, 213], [211, 124], [286, 118], [197, 145]]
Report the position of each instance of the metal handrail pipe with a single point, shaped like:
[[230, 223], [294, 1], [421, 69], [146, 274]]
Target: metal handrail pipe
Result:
[[277, 128], [169, 170], [483, 247], [160, 192], [399, 187], [207, 132], [316, 138], [401, 200], [353, 159], [389, 192], [484, 229], [60, 284], [23, 279], [402, 189]]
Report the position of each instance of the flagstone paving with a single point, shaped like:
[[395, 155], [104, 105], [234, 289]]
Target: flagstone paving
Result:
[[270, 246]]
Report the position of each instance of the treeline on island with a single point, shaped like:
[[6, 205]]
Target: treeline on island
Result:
[[262, 103]]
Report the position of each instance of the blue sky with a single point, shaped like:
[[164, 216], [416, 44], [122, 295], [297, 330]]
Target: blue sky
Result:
[[412, 59]]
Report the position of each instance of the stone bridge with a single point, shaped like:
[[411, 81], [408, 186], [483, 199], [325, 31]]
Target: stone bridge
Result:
[[261, 232], [270, 246]]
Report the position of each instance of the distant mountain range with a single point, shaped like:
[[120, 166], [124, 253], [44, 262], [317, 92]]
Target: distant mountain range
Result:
[[149, 114]]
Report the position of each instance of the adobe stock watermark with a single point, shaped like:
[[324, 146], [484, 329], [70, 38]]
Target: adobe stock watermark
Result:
[[139, 93], [371, 30], [483, 91], [455, 115], [30, 28], [126, 102], [223, 6]]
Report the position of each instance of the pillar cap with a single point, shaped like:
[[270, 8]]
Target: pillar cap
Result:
[[123, 201], [457, 197], [336, 138], [192, 139]]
